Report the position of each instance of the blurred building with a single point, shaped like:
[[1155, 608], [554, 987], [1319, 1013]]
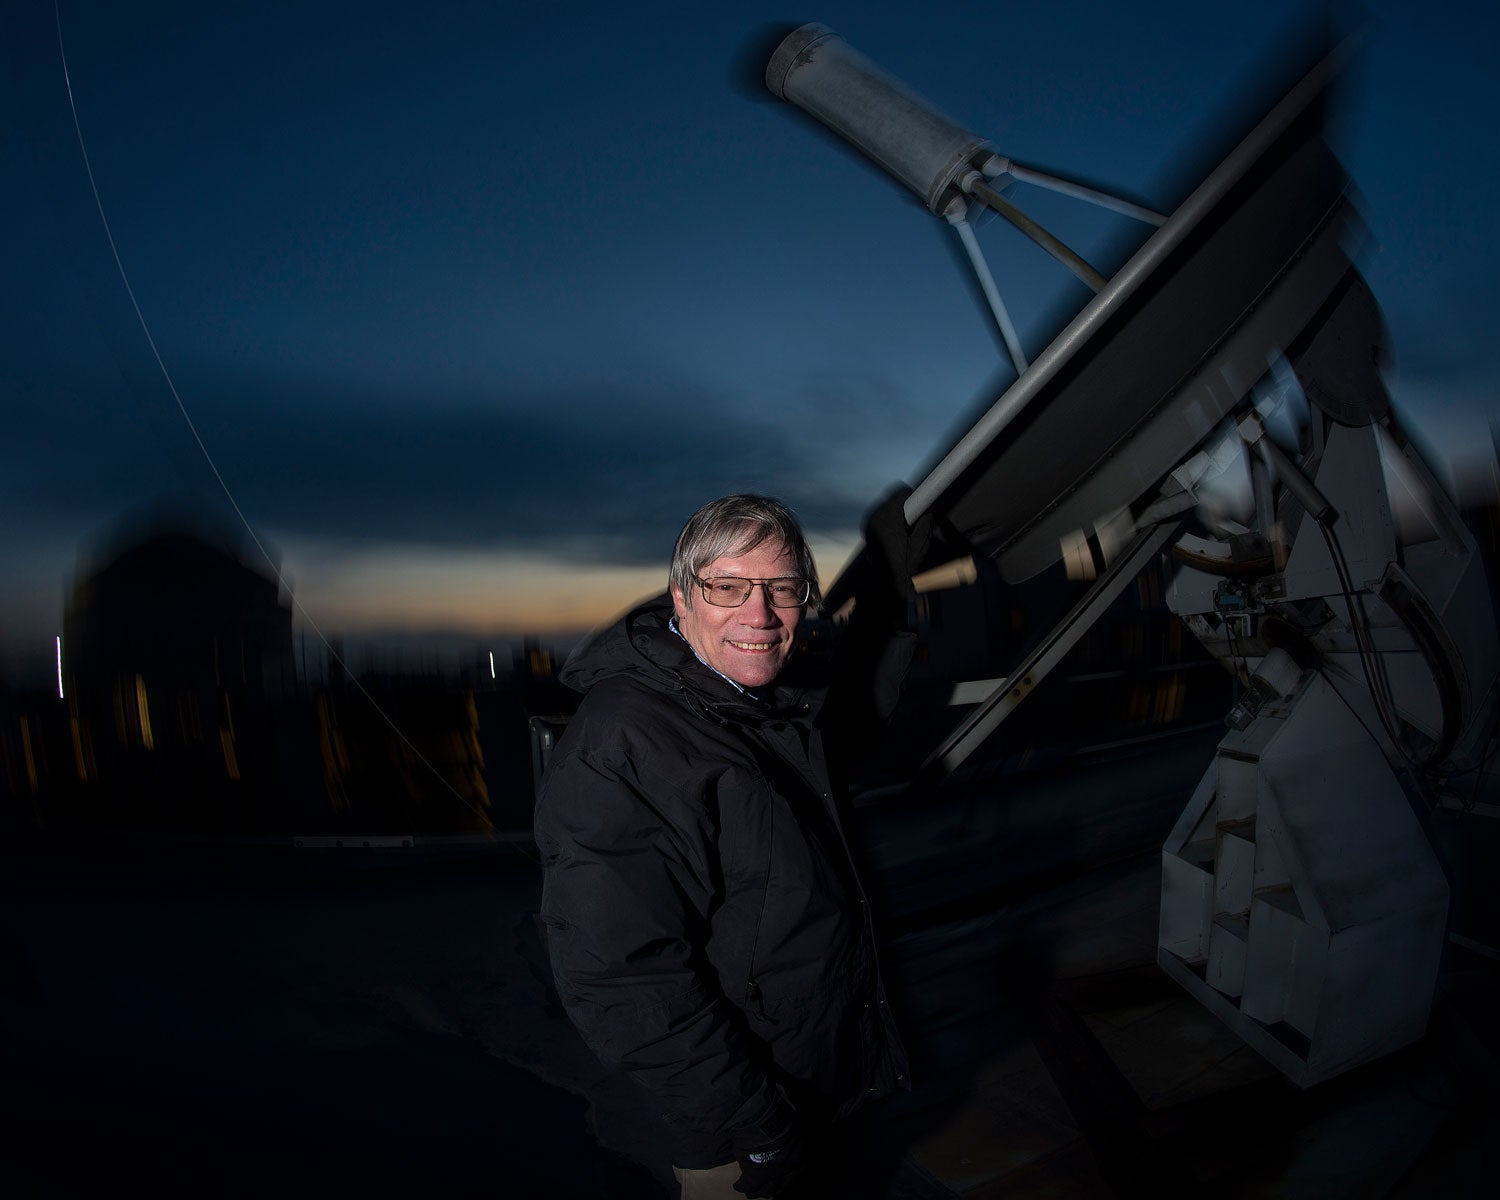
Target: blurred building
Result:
[[179, 707], [180, 683], [190, 612]]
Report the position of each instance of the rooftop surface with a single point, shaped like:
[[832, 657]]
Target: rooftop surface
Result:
[[379, 1021]]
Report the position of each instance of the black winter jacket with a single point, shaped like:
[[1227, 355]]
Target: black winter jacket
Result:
[[706, 925]]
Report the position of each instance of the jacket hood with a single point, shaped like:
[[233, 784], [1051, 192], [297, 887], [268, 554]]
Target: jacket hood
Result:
[[641, 640]]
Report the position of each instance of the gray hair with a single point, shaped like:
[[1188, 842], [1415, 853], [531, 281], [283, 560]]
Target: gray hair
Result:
[[734, 525]]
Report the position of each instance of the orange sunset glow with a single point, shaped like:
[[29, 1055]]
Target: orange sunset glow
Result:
[[397, 589]]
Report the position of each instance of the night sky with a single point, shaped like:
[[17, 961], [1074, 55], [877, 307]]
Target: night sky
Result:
[[473, 303]]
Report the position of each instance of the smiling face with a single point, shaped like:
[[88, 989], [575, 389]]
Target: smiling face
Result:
[[749, 644]]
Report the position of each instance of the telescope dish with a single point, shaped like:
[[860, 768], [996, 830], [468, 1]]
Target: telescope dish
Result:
[[1167, 350]]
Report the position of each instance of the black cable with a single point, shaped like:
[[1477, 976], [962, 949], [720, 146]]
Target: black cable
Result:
[[1240, 661], [1364, 642]]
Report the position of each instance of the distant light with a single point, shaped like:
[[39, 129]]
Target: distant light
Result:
[[143, 713], [59, 667], [492, 664]]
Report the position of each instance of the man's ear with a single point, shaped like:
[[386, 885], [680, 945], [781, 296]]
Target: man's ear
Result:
[[679, 603]]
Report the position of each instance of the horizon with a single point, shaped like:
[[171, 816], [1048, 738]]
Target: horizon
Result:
[[391, 646]]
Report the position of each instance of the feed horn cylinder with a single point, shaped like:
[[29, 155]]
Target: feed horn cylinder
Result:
[[823, 75]]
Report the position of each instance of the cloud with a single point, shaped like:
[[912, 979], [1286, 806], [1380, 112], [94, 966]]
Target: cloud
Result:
[[599, 474]]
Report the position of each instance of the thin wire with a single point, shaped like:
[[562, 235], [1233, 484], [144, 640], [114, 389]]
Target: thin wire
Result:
[[1417, 772], [193, 429], [1374, 680], [130, 292], [1479, 770], [1242, 663]]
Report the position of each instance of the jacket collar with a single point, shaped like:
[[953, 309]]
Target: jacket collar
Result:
[[757, 695], [644, 641]]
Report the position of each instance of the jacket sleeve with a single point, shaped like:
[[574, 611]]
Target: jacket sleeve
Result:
[[628, 889]]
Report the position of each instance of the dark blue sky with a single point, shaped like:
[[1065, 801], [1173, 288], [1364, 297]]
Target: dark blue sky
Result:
[[472, 303]]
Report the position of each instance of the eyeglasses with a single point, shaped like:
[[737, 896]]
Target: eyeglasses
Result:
[[728, 591]]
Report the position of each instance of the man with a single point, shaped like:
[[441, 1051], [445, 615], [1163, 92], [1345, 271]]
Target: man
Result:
[[706, 924]]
